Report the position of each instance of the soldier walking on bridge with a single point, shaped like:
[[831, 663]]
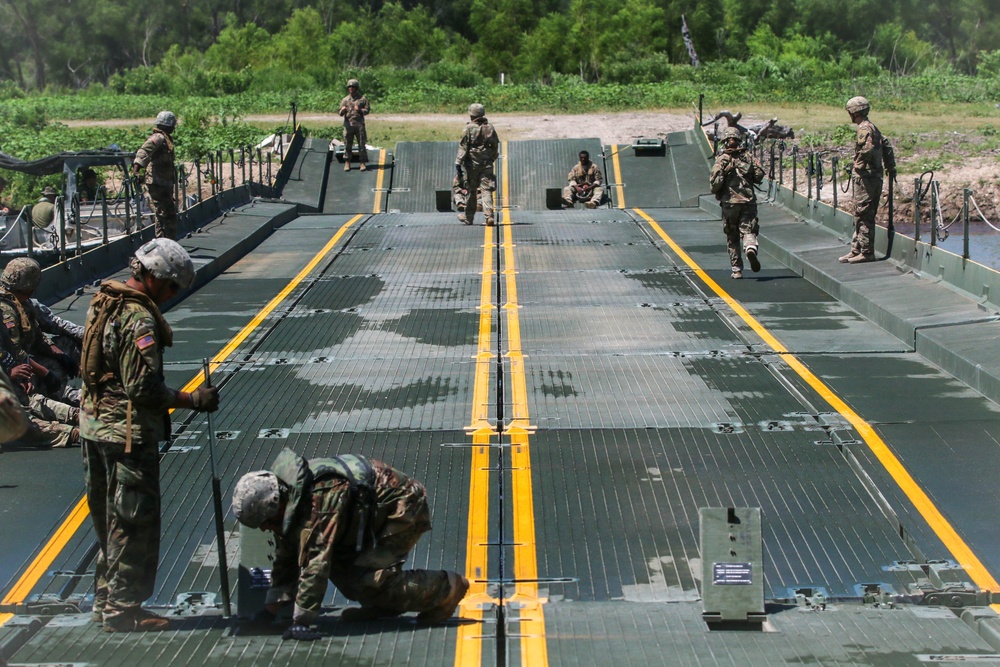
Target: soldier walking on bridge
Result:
[[867, 180], [156, 156], [125, 407], [351, 521], [354, 107], [477, 151], [732, 182]]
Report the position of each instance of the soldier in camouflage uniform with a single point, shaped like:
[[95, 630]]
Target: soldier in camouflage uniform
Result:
[[585, 184], [38, 368], [354, 107], [125, 417], [43, 212], [351, 521], [156, 156], [13, 420], [867, 181], [477, 151], [732, 182]]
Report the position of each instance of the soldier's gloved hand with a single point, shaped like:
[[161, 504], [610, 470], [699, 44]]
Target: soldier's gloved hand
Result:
[[301, 633], [205, 399], [21, 373]]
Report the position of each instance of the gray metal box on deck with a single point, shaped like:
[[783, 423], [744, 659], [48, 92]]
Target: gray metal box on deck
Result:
[[256, 555], [732, 564]]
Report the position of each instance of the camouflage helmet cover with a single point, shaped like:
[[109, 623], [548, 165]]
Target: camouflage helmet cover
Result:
[[477, 110], [256, 498], [22, 274], [49, 191], [167, 260], [857, 105], [731, 133], [353, 82], [166, 119]]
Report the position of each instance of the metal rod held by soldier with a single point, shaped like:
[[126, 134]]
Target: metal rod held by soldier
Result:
[[217, 501]]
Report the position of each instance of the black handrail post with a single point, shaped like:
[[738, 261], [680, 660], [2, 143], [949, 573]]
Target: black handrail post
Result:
[[966, 195]]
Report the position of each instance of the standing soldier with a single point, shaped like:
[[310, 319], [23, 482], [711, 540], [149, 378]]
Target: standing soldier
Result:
[[477, 151], [584, 184], [125, 416], [157, 157], [867, 181], [732, 182], [354, 107], [351, 521]]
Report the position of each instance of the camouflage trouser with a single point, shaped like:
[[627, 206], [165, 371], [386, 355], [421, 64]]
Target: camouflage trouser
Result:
[[376, 577], [48, 433], [51, 421], [43, 407], [164, 208], [123, 491], [483, 178], [354, 133], [739, 222], [459, 195], [867, 192], [570, 196]]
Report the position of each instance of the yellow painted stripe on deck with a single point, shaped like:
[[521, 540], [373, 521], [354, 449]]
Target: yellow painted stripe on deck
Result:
[[379, 180], [619, 186], [469, 647], [531, 613], [962, 553], [44, 559]]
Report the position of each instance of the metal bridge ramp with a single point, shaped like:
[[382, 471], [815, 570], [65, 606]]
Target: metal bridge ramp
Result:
[[537, 166], [423, 168], [358, 191], [627, 393], [650, 176]]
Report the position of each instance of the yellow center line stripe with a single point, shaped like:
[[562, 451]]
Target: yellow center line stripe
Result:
[[44, 559], [962, 553], [531, 614], [379, 180], [469, 647], [619, 186]]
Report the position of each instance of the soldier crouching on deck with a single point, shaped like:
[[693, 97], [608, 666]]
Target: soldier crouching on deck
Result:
[[125, 407], [732, 182], [351, 521]]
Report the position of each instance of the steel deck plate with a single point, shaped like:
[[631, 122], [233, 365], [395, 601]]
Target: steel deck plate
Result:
[[422, 168]]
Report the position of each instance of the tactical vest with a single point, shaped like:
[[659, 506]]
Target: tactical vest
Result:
[[106, 305], [360, 475]]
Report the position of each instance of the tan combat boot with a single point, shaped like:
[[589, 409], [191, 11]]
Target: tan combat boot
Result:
[[363, 167], [135, 619], [444, 611]]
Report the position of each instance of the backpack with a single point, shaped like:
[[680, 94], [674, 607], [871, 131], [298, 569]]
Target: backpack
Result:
[[360, 476]]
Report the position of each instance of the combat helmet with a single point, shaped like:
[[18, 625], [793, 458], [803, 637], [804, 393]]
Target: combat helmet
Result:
[[731, 133], [858, 105], [477, 110], [256, 498], [167, 260], [22, 274], [166, 119], [353, 82]]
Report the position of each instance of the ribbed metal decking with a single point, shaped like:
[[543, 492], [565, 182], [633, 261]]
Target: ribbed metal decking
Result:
[[571, 387]]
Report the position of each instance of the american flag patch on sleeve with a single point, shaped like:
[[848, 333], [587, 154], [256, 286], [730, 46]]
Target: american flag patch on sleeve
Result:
[[145, 342]]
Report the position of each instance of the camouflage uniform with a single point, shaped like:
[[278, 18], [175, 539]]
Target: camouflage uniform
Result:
[[13, 420], [43, 214], [319, 536], [25, 340], [125, 416], [579, 176], [459, 194], [867, 182], [477, 151], [157, 156], [732, 181], [354, 108]]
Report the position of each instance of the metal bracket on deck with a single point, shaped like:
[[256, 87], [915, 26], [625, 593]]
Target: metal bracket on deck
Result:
[[810, 598]]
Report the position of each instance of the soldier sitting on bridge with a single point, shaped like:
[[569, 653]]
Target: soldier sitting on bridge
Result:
[[585, 184]]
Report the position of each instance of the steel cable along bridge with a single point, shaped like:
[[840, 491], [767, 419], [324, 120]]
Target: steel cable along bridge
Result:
[[572, 387]]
